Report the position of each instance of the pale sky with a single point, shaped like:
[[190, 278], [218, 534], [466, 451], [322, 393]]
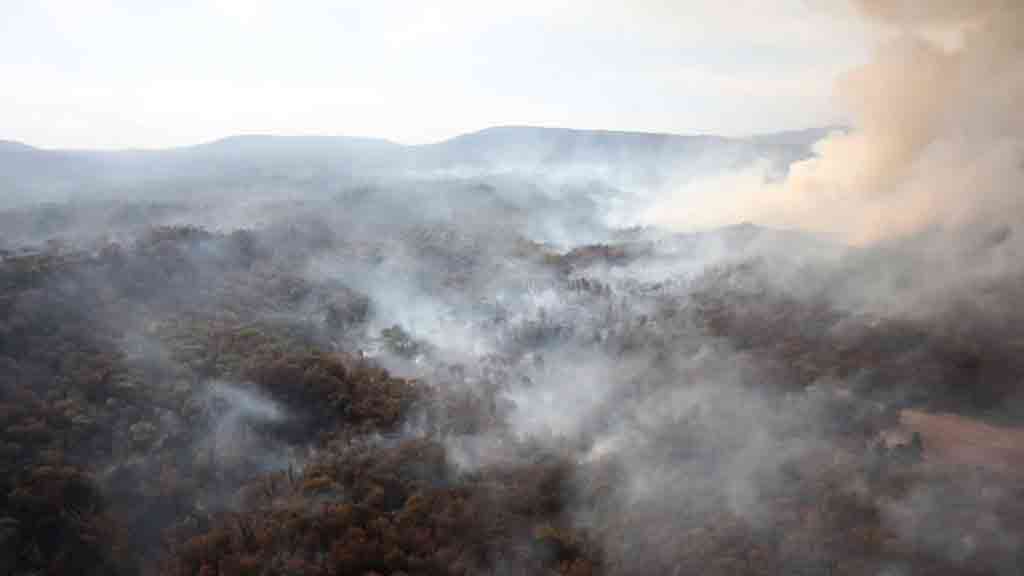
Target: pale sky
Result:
[[149, 73]]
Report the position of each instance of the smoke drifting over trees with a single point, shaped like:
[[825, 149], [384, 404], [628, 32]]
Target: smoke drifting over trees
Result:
[[493, 355]]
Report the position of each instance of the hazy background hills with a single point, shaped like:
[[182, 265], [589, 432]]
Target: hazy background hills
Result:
[[33, 174]]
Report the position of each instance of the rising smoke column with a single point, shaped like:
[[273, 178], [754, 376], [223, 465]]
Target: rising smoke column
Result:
[[937, 137], [939, 131]]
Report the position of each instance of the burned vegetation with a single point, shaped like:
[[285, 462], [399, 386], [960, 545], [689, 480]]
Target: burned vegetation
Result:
[[190, 402]]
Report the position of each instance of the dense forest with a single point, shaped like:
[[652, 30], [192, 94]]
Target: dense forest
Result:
[[410, 397], [521, 350]]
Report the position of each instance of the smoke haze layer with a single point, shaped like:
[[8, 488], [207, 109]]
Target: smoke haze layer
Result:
[[499, 355]]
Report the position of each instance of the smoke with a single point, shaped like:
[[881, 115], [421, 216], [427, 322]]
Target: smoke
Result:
[[667, 394], [937, 139]]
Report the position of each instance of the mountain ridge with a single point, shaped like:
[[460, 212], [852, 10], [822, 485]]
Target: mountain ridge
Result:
[[489, 131], [256, 161]]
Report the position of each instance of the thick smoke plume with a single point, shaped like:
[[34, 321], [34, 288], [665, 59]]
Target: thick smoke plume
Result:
[[937, 138]]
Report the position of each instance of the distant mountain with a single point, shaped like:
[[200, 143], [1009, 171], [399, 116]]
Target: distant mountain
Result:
[[524, 146], [12, 146], [28, 173], [239, 161]]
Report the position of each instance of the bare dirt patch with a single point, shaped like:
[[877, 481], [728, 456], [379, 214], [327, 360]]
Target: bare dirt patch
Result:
[[953, 439]]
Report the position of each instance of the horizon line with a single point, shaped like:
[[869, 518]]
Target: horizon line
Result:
[[325, 136]]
